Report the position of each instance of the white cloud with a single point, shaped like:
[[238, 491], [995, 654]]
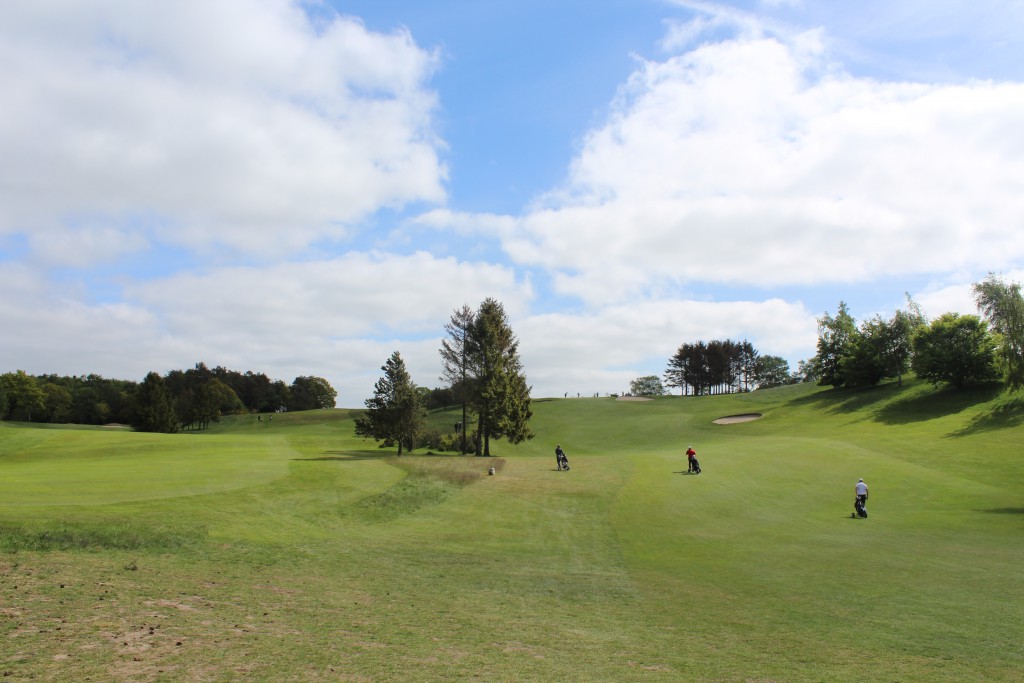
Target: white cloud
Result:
[[237, 123], [602, 350], [256, 126], [339, 319], [752, 161]]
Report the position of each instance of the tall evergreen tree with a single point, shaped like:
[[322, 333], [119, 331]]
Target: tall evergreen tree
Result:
[[394, 414], [154, 411], [501, 396], [455, 362]]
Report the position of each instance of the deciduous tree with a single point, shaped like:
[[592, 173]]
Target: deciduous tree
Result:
[[771, 371], [311, 393], [1003, 306], [25, 398], [957, 349], [649, 385], [835, 335]]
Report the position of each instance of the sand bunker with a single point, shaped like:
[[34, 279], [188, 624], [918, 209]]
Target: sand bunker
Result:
[[733, 419], [633, 398]]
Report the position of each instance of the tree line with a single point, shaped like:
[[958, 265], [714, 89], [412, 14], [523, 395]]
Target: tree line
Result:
[[954, 349], [719, 367], [481, 364], [959, 350], [179, 400]]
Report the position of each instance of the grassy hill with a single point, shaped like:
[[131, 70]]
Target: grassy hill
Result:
[[290, 550]]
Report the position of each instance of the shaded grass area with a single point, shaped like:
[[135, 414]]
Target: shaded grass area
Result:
[[430, 481], [67, 534]]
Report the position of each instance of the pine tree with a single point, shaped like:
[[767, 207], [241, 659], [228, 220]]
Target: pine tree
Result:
[[394, 415], [154, 411], [455, 359], [501, 396]]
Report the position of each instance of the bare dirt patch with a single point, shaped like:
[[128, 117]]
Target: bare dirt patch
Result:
[[733, 419]]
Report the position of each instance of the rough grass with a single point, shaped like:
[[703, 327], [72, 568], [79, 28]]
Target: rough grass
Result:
[[292, 551], [66, 534]]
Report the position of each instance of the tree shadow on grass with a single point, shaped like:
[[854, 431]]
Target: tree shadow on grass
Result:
[[847, 400], [1002, 415], [940, 402], [348, 456], [1003, 511], [892, 404]]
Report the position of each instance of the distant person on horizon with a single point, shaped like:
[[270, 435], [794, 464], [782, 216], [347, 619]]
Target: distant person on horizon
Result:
[[690, 455]]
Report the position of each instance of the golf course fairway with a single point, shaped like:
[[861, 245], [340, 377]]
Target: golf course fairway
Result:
[[291, 550]]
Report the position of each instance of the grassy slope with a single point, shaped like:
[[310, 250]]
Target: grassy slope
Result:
[[292, 551]]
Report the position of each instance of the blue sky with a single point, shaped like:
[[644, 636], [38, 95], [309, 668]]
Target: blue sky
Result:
[[302, 188]]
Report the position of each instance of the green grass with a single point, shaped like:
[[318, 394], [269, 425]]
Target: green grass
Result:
[[292, 551]]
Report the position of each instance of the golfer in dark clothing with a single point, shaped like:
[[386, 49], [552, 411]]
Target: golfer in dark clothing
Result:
[[560, 460]]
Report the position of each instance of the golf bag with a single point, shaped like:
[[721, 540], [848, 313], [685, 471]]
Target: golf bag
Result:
[[858, 505], [563, 463], [696, 466]]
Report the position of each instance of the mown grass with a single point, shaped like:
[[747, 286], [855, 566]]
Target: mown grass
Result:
[[292, 551]]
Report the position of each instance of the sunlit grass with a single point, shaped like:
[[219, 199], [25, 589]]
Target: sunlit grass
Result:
[[291, 550]]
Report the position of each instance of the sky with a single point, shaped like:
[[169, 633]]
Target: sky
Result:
[[302, 188]]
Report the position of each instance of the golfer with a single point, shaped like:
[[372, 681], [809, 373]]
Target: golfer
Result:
[[690, 455], [559, 455], [862, 491]]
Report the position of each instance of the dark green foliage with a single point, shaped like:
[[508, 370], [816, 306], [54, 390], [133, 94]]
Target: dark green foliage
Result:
[[455, 362], [835, 335], [863, 362], [25, 399], [440, 397], [771, 371], [311, 393], [154, 411], [501, 397], [199, 396], [955, 349], [480, 358], [852, 357], [715, 367], [58, 402], [393, 414]]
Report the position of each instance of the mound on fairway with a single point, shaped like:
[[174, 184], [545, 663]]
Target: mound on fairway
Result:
[[733, 419]]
